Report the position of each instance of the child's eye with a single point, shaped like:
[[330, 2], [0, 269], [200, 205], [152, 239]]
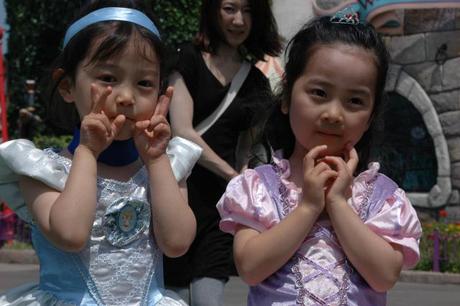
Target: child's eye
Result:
[[145, 83], [318, 93], [356, 101], [107, 78]]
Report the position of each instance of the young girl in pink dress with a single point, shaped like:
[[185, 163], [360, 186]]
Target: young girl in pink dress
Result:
[[307, 230]]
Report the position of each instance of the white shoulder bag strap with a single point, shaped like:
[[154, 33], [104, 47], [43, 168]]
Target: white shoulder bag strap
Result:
[[235, 86]]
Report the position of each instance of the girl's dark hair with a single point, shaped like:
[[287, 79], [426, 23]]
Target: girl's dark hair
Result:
[[277, 131], [263, 38], [113, 37]]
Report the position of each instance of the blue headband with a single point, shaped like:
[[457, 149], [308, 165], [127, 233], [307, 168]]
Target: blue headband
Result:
[[110, 14]]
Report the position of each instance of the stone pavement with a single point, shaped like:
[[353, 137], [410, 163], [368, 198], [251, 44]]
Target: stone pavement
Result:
[[403, 294], [29, 257], [414, 288]]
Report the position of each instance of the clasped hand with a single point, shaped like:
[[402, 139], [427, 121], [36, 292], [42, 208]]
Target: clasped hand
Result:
[[327, 180], [150, 136]]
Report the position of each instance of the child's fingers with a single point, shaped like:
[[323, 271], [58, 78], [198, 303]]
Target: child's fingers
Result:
[[98, 97], [161, 129], [312, 155], [155, 120], [321, 167], [95, 125], [352, 159], [142, 125], [336, 163], [117, 124], [101, 117], [163, 102], [327, 175]]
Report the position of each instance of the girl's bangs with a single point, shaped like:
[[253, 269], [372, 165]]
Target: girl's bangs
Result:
[[112, 42]]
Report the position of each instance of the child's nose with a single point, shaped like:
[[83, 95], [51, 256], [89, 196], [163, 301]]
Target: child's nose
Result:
[[125, 96], [333, 113]]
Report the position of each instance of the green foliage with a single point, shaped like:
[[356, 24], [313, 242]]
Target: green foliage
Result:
[[178, 20], [57, 142], [449, 246], [36, 31], [17, 245]]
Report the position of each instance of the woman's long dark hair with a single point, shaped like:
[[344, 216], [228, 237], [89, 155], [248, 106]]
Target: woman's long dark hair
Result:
[[263, 38], [277, 130]]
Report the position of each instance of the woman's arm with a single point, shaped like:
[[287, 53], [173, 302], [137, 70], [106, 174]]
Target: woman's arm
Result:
[[243, 149], [259, 255], [181, 117], [66, 218]]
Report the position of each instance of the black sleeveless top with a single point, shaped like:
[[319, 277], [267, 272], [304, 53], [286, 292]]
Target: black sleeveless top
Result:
[[211, 253]]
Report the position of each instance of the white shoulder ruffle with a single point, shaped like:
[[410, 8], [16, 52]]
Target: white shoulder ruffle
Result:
[[21, 157], [183, 155]]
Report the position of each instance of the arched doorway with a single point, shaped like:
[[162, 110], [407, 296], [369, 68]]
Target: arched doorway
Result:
[[407, 153]]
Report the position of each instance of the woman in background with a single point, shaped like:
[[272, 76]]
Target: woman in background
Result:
[[232, 32]]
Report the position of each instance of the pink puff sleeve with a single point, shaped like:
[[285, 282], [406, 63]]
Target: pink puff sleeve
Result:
[[397, 223], [246, 201]]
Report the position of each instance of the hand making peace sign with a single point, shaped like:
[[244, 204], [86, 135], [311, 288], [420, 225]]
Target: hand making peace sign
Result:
[[97, 131], [152, 136]]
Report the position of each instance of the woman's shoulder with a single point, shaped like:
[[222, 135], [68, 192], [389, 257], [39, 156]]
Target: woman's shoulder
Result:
[[188, 51], [189, 64], [257, 76]]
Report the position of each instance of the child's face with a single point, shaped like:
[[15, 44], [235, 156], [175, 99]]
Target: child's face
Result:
[[235, 21], [134, 76], [332, 100]]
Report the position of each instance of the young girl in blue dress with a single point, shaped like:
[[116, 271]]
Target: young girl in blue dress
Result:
[[307, 231], [104, 210]]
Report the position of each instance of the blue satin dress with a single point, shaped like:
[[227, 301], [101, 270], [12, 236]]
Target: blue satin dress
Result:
[[121, 263]]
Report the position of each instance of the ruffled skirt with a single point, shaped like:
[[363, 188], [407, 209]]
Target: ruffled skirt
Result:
[[31, 295]]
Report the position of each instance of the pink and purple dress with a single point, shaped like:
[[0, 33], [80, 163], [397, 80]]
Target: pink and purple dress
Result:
[[319, 273]]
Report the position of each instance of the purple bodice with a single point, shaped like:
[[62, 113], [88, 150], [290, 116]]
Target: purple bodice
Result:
[[319, 272]]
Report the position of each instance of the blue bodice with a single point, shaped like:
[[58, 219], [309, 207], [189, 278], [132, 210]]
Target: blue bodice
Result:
[[121, 263]]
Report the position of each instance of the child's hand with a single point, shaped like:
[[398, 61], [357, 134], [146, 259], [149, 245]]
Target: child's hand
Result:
[[316, 176], [152, 136], [340, 189], [97, 131]]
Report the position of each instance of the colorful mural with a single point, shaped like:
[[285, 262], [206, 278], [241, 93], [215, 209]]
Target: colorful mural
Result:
[[421, 145], [385, 15]]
